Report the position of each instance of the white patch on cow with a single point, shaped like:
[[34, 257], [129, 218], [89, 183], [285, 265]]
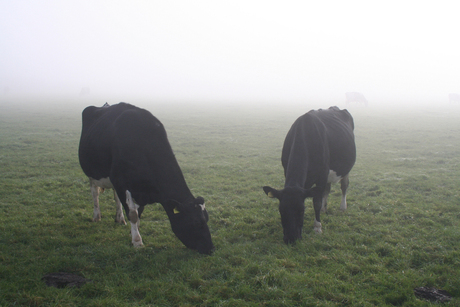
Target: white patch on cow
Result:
[[332, 177], [134, 220], [203, 206], [343, 203]]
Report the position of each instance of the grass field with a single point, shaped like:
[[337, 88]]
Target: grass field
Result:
[[401, 229]]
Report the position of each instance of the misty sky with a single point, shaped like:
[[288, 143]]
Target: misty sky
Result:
[[230, 50]]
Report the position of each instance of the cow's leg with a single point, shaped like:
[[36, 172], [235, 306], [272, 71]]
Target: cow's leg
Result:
[[317, 205], [325, 195], [344, 186], [134, 220], [119, 217], [95, 193]]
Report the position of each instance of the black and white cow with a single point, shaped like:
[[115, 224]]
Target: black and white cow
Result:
[[126, 148], [454, 97], [355, 97], [319, 149]]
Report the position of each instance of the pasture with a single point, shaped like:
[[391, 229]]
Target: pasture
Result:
[[401, 229]]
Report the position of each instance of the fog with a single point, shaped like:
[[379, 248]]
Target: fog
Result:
[[229, 51]]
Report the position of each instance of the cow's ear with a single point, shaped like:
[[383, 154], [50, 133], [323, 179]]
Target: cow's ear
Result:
[[175, 205], [199, 201], [271, 192]]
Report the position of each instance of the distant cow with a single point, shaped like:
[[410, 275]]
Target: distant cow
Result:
[[454, 97], [355, 97], [85, 91], [319, 149], [126, 148]]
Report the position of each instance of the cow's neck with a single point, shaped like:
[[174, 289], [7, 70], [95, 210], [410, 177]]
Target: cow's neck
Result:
[[177, 190], [296, 168], [172, 184], [295, 176]]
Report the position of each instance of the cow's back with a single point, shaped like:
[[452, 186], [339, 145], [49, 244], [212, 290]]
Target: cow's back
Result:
[[341, 141], [97, 137], [305, 150], [318, 141]]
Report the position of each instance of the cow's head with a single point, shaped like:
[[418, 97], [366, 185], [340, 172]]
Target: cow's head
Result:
[[292, 209], [189, 224]]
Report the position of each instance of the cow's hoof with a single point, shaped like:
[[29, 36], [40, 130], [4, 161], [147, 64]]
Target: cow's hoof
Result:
[[121, 222], [138, 243]]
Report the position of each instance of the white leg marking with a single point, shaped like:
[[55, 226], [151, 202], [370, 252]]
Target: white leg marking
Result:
[[324, 203], [343, 203], [325, 196], [344, 187], [95, 194], [97, 187], [134, 220], [119, 217], [333, 178], [135, 235], [317, 227]]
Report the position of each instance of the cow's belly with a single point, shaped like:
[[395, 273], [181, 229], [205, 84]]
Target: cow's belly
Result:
[[104, 183], [332, 177]]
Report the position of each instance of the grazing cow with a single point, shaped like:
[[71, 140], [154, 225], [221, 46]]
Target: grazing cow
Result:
[[126, 148], [319, 149], [85, 91], [355, 97], [454, 97]]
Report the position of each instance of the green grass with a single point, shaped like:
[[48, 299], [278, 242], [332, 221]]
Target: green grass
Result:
[[400, 231]]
